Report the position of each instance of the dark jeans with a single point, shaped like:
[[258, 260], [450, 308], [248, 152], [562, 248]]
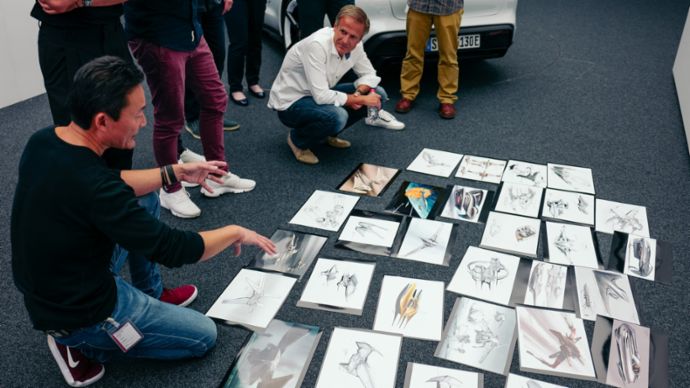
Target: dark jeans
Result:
[[311, 13], [244, 22], [62, 51], [312, 123], [214, 32]]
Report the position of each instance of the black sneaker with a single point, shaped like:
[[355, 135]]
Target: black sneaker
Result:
[[193, 128], [230, 125], [77, 370]]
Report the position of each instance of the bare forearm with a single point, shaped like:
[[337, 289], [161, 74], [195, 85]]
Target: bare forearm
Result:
[[142, 181], [218, 240]]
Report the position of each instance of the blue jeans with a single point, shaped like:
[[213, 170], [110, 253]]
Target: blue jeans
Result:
[[313, 123], [170, 332]]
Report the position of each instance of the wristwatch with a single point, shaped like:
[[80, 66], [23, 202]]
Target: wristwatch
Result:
[[88, 3], [357, 93]]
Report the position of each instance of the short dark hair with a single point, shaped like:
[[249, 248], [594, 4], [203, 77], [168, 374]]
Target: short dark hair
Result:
[[356, 13], [102, 85]]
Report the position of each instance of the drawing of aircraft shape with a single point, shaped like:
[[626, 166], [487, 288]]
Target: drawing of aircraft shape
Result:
[[429, 242], [357, 365], [445, 382]]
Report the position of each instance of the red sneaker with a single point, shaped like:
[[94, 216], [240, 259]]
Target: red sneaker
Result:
[[77, 370], [181, 296]]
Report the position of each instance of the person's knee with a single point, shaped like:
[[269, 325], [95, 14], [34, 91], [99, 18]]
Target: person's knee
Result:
[[214, 99], [338, 118], [206, 336]]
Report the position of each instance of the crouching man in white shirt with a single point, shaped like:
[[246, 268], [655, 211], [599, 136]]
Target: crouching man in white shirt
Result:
[[308, 97]]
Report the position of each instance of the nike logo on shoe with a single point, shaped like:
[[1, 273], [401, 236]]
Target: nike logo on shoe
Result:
[[70, 361]]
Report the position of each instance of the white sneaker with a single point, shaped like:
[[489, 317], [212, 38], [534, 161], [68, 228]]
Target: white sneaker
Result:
[[189, 156], [179, 204], [231, 184], [384, 119]]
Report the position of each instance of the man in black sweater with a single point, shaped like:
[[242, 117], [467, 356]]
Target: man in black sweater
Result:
[[68, 198]]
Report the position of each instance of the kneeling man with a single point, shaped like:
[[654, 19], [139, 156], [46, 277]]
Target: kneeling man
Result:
[[70, 210], [307, 95]]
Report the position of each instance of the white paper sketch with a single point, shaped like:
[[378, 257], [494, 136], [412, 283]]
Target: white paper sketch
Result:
[[411, 307], [615, 216], [519, 199], [640, 257], [435, 162], [426, 241], [325, 210], [421, 375], [570, 178], [604, 293], [252, 299], [486, 275], [571, 245], [568, 206], [517, 381], [464, 203], [368, 179], [370, 231], [295, 252], [628, 362], [360, 358], [481, 169], [546, 285], [512, 234], [553, 342], [337, 284], [525, 173], [479, 334]]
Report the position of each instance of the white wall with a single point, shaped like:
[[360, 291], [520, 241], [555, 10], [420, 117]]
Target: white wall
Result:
[[681, 74], [20, 76]]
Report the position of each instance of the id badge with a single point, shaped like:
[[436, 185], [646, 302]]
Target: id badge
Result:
[[125, 336]]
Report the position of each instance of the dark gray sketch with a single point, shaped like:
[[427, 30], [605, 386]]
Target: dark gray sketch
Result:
[[557, 207], [524, 232], [406, 304], [474, 333], [445, 381], [641, 251], [349, 284], [426, 242], [629, 363], [567, 348], [330, 274], [609, 289], [582, 204], [570, 176], [624, 221], [525, 172], [357, 364], [565, 244], [364, 228], [487, 272]]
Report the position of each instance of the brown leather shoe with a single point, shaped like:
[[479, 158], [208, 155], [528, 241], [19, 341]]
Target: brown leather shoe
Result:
[[304, 156], [337, 142], [403, 106], [446, 111]]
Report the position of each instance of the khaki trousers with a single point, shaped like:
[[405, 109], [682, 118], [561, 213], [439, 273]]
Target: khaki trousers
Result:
[[418, 31]]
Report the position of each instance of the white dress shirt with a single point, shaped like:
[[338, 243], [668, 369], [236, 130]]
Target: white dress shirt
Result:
[[313, 66]]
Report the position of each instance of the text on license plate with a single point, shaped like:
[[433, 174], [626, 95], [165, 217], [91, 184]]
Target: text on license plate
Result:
[[464, 42]]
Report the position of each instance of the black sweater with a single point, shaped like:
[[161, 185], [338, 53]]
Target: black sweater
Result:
[[69, 211]]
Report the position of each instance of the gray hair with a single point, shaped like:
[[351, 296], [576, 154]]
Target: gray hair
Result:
[[356, 13]]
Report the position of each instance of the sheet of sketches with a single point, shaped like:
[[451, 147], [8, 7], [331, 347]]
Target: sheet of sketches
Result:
[[512, 234], [464, 203], [411, 307], [570, 178], [546, 285], [622, 217], [640, 257], [486, 275], [481, 169], [519, 199], [338, 283], [371, 231], [525, 173], [604, 293], [571, 245], [568, 206], [360, 358], [325, 210], [479, 334], [517, 381], [435, 162], [296, 252], [554, 343], [421, 375], [368, 179], [252, 298], [628, 363], [279, 356], [426, 241]]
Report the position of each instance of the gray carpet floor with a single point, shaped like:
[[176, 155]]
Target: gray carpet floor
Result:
[[586, 83]]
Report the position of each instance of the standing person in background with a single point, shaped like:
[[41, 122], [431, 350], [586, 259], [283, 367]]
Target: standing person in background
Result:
[[311, 13], [445, 16], [244, 22]]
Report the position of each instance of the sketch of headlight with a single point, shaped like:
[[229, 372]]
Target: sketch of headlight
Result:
[[643, 253], [628, 356]]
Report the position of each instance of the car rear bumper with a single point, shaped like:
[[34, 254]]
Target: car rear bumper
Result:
[[495, 41]]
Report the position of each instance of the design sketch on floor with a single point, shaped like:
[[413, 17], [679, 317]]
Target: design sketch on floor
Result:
[[571, 245], [445, 382], [414, 200], [426, 241], [481, 169], [628, 346], [570, 178], [295, 252], [525, 173], [641, 257], [464, 203], [358, 366], [605, 293], [435, 162], [567, 348], [406, 305], [519, 199], [325, 210], [368, 179], [517, 381], [485, 274], [255, 295], [429, 376], [337, 284], [332, 277], [614, 216], [369, 231], [546, 285], [628, 356], [569, 206]]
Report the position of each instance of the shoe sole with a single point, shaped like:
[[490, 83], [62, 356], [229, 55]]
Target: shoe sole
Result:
[[64, 369], [191, 299], [232, 128], [179, 215], [187, 184], [189, 130], [218, 192]]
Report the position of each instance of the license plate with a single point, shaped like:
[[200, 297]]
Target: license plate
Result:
[[464, 42]]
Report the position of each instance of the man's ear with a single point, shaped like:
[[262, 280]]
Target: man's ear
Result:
[[100, 120]]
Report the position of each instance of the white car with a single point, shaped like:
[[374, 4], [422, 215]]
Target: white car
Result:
[[487, 28]]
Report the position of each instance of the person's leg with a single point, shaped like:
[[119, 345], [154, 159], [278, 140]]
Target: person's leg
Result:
[[312, 123], [169, 331], [418, 29], [255, 12], [202, 77], [238, 37], [165, 75], [447, 29], [311, 13]]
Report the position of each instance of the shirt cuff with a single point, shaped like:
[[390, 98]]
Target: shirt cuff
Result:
[[340, 99]]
